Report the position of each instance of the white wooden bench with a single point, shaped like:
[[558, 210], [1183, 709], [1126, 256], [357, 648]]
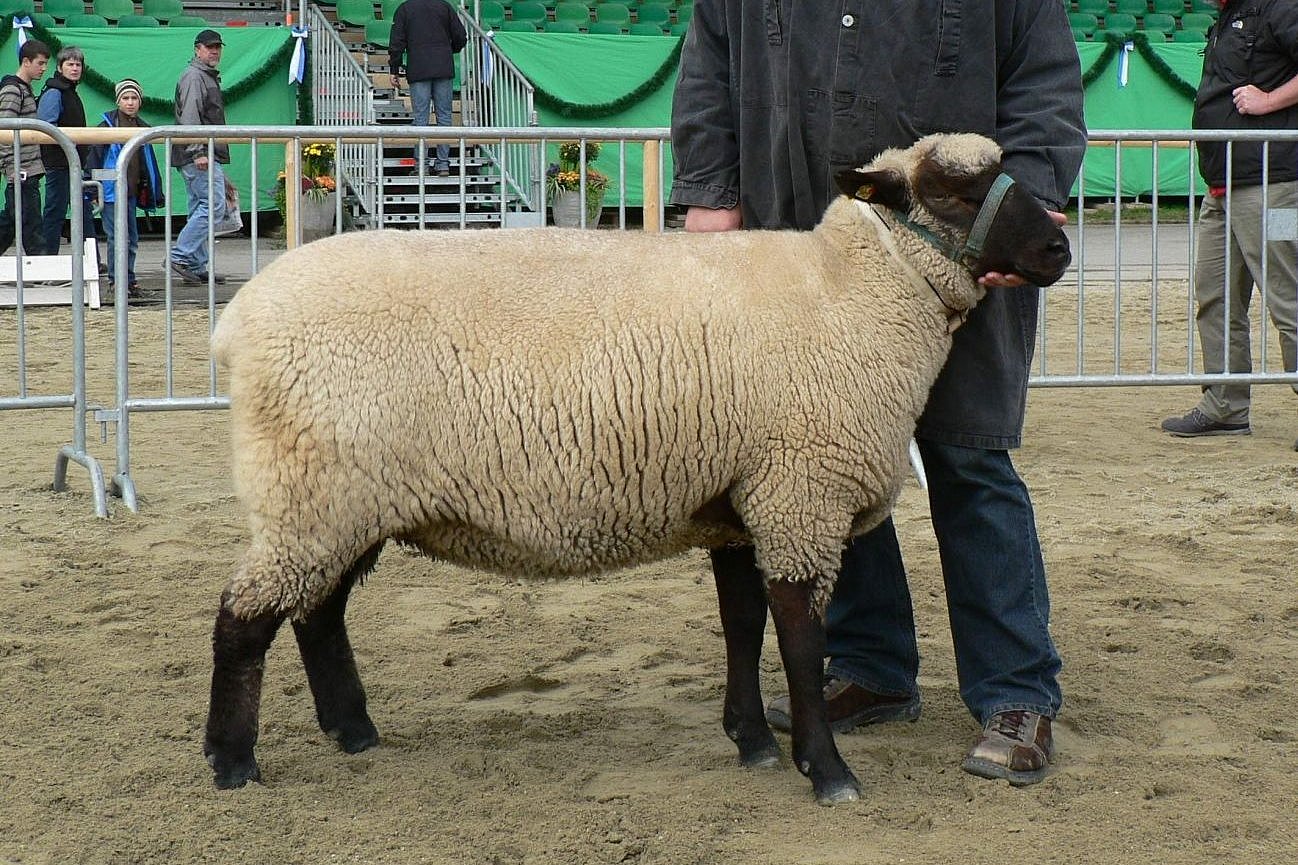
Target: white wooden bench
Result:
[[39, 271]]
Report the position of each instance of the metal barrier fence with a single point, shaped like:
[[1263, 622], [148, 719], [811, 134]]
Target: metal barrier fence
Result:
[[25, 395], [1125, 316]]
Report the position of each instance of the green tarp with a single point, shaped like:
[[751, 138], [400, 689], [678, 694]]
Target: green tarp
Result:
[[254, 79]]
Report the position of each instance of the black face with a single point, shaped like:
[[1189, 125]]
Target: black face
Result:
[[1022, 240]]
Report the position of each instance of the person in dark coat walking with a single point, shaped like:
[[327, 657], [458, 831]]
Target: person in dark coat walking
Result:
[[771, 101], [60, 105], [426, 34]]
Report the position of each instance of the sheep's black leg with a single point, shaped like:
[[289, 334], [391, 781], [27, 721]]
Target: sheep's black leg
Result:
[[331, 668], [742, 600], [239, 658], [802, 646]]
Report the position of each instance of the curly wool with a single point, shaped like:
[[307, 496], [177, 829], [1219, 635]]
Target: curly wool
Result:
[[553, 403]]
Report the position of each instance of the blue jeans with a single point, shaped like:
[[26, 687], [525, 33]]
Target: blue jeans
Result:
[[30, 190], [997, 599], [132, 239], [440, 92], [58, 193], [190, 248]]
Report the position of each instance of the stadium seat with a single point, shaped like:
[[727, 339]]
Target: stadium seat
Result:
[[1134, 8], [43, 19], [1190, 36], [1095, 7], [574, 13], [86, 19], [520, 27], [1158, 22], [188, 21], [679, 28], [61, 9], [1120, 22], [646, 28], [1196, 21], [1169, 7], [390, 8], [491, 15], [1083, 21], [378, 32], [163, 10], [613, 13], [606, 28], [685, 13], [138, 21], [355, 12], [114, 9], [562, 27], [529, 10], [654, 13], [1205, 7]]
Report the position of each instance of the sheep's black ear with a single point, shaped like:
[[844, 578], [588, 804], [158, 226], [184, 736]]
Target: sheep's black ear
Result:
[[886, 187]]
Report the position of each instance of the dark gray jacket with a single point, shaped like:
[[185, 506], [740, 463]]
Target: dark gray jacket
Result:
[[774, 96], [1251, 43], [426, 33], [199, 103]]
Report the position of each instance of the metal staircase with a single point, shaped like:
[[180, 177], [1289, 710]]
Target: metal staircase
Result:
[[383, 182]]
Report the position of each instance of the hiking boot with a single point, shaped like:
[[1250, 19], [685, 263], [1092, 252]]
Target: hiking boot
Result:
[[1196, 423], [186, 274], [1016, 746], [848, 706]]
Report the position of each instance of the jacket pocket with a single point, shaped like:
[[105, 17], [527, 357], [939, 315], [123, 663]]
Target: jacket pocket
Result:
[[774, 30]]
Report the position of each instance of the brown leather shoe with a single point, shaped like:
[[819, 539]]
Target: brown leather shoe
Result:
[[1016, 746], [849, 706]]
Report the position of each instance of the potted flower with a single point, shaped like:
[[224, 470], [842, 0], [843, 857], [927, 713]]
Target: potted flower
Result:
[[563, 185], [318, 206]]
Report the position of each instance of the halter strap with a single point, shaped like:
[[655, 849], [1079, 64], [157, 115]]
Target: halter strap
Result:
[[973, 245]]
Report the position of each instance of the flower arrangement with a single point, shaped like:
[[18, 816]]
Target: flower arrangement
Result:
[[317, 175], [565, 175]]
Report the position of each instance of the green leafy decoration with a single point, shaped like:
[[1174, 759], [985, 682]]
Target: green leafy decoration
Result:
[[1114, 44]]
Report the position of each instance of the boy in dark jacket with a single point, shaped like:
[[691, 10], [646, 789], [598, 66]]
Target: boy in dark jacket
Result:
[[60, 105], [143, 181], [18, 100]]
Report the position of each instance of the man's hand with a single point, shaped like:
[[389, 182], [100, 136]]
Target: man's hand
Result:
[[708, 219], [992, 279], [396, 80], [1250, 100]]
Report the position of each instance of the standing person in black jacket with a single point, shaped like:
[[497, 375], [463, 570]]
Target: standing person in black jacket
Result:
[[1250, 81], [771, 100], [60, 104], [428, 33]]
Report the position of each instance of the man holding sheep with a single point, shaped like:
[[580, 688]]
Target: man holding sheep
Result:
[[770, 102]]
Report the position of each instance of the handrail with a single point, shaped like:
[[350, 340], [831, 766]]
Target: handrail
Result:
[[343, 95]]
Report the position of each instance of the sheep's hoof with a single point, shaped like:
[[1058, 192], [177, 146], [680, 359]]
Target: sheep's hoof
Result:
[[838, 792], [233, 774], [767, 757], [355, 736]]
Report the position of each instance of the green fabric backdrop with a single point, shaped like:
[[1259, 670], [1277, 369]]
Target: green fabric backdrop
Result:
[[254, 79], [611, 81], [601, 81]]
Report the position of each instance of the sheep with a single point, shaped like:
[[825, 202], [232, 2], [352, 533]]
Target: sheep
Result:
[[552, 403]]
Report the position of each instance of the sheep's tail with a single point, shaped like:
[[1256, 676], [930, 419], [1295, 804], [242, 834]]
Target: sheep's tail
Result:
[[226, 336]]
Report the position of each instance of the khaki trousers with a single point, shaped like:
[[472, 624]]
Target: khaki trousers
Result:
[[1224, 294]]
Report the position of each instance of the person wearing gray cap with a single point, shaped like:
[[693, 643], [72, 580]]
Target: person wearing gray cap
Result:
[[199, 103]]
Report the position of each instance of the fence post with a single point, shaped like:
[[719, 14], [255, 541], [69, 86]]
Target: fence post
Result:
[[652, 187], [292, 195]]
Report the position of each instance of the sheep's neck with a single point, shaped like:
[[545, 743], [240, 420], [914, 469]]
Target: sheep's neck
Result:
[[884, 227]]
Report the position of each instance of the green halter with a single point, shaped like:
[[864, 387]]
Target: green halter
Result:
[[973, 246]]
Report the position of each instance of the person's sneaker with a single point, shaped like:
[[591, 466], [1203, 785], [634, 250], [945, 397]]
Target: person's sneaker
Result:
[[1196, 423], [1016, 746], [188, 275], [848, 706], [219, 278]]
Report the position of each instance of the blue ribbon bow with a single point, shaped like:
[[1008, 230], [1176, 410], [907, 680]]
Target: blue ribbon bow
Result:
[[297, 65]]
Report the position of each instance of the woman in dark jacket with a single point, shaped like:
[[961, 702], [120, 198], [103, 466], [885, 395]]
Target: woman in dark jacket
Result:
[[143, 182], [59, 104]]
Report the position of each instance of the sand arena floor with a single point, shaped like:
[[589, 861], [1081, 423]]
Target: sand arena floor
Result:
[[579, 722]]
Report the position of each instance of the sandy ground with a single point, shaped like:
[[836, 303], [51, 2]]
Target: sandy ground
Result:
[[579, 722]]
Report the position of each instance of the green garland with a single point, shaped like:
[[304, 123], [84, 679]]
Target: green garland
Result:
[[578, 111], [1114, 43], [103, 86]]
